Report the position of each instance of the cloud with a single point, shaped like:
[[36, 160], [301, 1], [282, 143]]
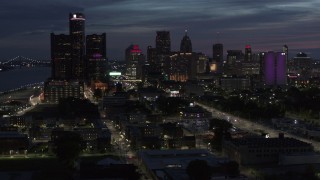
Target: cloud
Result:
[[262, 23]]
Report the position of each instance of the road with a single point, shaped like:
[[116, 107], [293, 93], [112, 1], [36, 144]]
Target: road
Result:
[[252, 127], [29, 97]]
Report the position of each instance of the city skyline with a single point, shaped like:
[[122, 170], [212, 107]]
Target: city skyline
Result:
[[265, 26]]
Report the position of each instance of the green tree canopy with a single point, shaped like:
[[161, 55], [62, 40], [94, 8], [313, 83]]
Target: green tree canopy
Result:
[[67, 148], [199, 169]]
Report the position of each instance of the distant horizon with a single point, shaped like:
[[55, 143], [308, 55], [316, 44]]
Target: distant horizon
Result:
[[292, 54]]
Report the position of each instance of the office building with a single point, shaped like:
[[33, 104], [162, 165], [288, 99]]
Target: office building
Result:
[[180, 66], [151, 55], [201, 63], [217, 53], [262, 66], [54, 90], [253, 151], [236, 83], [172, 164], [286, 50], [234, 57], [163, 42], [71, 65], [77, 33], [186, 45], [275, 68], [215, 65], [248, 54], [96, 57], [134, 61], [61, 59]]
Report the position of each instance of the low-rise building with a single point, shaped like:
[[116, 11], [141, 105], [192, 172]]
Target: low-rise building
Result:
[[252, 151], [235, 83], [54, 90], [13, 142], [172, 164]]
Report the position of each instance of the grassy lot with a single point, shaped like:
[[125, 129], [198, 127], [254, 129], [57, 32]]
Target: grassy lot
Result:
[[47, 163]]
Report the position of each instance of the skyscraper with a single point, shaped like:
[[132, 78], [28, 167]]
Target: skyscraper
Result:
[[217, 53], [234, 56], [134, 61], [152, 54], [69, 68], [286, 50], [96, 56], [163, 42], [77, 33], [61, 59], [178, 66], [217, 58], [275, 68], [186, 45], [248, 54]]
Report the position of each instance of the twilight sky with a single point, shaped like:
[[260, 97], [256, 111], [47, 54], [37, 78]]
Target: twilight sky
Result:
[[264, 24]]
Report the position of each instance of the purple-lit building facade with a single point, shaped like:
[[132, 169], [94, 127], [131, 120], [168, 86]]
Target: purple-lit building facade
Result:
[[275, 68]]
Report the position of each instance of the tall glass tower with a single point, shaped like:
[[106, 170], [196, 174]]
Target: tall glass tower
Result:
[[163, 42], [96, 57], [77, 33]]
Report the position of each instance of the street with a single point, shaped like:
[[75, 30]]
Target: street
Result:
[[252, 127]]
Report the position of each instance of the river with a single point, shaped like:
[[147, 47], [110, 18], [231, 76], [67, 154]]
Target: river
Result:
[[18, 77]]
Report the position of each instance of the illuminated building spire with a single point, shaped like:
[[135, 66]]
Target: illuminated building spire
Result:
[[186, 45]]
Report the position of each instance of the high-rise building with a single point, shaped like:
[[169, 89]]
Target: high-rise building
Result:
[[248, 54], [260, 58], [178, 66], [152, 54], [134, 61], [163, 42], [217, 53], [69, 65], [186, 45], [300, 68], [234, 56], [185, 66], [216, 63], [61, 59], [285, 49], [96, 57], [201, 63], [275, 68], [77, 33]]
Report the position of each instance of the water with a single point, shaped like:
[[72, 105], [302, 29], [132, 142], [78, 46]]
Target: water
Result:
[[18, 77]]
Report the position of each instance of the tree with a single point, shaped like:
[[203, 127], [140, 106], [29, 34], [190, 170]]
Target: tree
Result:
[[199, 169], [67, 148], [98, 93], [232, 169], [221, 131]]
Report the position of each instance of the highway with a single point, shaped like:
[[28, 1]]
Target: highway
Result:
[[252, 127]]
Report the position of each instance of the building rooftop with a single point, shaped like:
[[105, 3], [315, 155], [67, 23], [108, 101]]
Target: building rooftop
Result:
[[161, 159], [269, 142]]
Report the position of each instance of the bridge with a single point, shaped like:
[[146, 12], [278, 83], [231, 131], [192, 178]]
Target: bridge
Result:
[[21, 61]]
